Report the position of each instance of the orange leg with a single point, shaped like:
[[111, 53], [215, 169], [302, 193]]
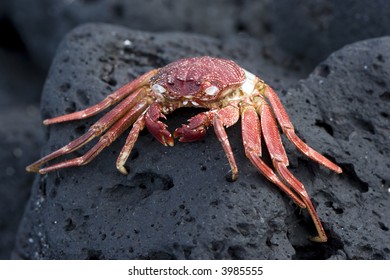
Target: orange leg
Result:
[[95, 130], [288, 130], [111, 99], [280, 162], [227, 116], [138, 126], [251, 135], [111, 135]]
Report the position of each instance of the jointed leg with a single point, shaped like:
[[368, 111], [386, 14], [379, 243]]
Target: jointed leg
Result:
[[227, 117], [111, 99], [138, 126], [95, 130], [288, 129], [111, 135], [300, 189], [251, 135], [280, 162], [197, 126]]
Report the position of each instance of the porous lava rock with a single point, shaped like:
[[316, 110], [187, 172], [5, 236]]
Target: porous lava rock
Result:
[[175, 203]]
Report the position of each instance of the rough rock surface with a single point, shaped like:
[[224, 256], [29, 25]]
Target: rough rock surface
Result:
[[352, 95], [175, 203]]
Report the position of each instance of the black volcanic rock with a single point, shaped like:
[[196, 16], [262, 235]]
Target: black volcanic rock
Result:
[[309, 30], [20, 138], [314, 29], [350, 92], [43, 24], [20, 142], [176, 203]]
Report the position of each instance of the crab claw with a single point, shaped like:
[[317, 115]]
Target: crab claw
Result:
[[186, 134], [195, 130], [157, 128]]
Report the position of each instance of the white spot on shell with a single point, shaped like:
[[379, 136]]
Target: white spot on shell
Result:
[[158, 89], [212, 90], [185, 102], [195, 103], [249, 85]]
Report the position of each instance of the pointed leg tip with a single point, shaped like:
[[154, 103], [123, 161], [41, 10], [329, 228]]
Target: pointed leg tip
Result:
[[318, 239], [231, 177], [335, 168], [122, 170], [32, 168], [166, 140], [170, 142], [43, 171], [178, 133], [51, 121], [28, 169]]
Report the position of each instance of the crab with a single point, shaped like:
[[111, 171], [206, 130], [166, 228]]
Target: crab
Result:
[[227, 92]]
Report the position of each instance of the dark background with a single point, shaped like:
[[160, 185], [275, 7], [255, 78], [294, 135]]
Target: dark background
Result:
[[296, 34]]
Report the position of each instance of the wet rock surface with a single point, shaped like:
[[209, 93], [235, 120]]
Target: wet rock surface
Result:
[[176, 203]]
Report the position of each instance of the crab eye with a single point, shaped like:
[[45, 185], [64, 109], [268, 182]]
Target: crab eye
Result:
[[211, 90], [158, 89]]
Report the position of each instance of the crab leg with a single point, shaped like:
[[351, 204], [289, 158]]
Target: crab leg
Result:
[[196, 129], [288, 130], [111, 135], [251, 135], [227, 116], [111, 99], [138, 126], [280, 162], [95, 130]]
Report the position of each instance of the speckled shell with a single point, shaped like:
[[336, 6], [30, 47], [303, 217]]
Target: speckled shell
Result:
[[186, 77]]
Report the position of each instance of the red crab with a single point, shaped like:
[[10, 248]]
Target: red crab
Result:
[[219, 85]]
